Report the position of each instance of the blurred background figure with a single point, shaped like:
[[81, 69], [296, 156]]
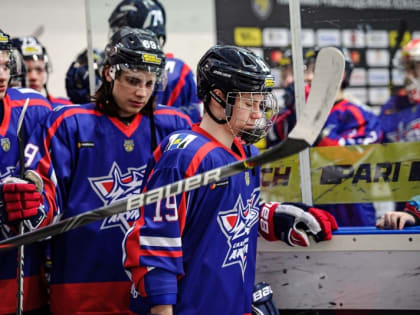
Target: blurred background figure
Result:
[[181, 88], [400, 115], [348, 124], [18, 79], [77, 76], [38, 66]]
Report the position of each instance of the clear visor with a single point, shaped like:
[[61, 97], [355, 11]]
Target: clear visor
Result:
[[140, 74], [250, 115]]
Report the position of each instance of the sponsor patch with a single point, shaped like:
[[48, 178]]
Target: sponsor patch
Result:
[[179, 141], [85, 144]]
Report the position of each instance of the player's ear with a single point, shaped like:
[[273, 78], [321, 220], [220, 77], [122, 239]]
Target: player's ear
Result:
[[106, 73]]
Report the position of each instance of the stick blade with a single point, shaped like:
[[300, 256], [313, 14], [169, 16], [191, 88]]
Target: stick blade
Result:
[[329, 71]]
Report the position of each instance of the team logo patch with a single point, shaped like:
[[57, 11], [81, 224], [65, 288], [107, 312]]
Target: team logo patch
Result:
[[5, 144], [116, 186], [262, 8], [236, 224], [179, 141], [128, 145]]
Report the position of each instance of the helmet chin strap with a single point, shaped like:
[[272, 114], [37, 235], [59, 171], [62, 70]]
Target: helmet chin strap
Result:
[[222, 102]]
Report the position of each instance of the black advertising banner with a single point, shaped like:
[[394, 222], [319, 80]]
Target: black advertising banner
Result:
[[367, 28]]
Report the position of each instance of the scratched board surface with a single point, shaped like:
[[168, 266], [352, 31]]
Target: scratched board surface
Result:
[[349, 174]]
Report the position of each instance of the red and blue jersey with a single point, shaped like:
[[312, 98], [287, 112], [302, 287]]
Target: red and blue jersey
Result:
[[400, 120], [89, 160], [58, 101], [347, 124], [181, 89], [196, 250], [350, 124], [34, 283]]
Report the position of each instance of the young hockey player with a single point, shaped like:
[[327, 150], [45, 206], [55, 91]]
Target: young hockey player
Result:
[[94, 154], [181, 89], [400, 116], [77, 76], [194, 253], [347, 124], [12, 102], [38, 66]]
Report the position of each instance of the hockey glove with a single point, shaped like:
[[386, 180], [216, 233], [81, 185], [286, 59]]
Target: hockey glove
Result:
[[262, 300], [22, 199], [292, 223]]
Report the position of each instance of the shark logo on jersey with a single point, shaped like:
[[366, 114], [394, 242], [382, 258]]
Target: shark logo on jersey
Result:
[[236, 225], [116, 186], [179, 141]]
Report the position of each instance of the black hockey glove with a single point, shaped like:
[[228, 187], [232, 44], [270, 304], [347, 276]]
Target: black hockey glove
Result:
[[262, 300]]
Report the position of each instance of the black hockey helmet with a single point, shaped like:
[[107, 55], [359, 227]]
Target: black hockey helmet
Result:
[[6, 45], [77, 76], [237, 72], [142, 14], [232, 69], [31, 49], [131, 48], [18, 79]]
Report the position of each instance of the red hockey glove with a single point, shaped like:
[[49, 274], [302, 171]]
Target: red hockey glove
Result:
[[292, 224], [21, 199]]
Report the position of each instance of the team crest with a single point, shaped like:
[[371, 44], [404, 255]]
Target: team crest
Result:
[[262, 8], [179, 141], [116, 186], [236, 224], [5, 144], [128, 145]]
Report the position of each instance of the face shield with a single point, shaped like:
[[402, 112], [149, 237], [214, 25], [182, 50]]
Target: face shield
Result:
[[250, 115]]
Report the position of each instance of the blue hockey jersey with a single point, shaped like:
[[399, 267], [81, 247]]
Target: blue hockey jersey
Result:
[[34, 283], [400, 120], [181, 89], [347, 124], [196, 250], [89, 160]]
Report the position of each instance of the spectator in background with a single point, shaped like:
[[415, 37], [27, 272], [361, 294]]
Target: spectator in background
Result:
[[77, 77], [38, 66], [181, 89]]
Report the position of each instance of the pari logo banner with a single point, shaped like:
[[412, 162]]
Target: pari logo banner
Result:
[[349, 174]]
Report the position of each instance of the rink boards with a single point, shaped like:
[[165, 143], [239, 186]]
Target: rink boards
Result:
[[361, 268]]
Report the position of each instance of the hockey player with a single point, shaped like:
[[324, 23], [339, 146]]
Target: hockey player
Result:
[[38, 66], [77, 77], [12, 101], [194, 253], [94, 154], [181, 90], [348, 124], [400, 116]]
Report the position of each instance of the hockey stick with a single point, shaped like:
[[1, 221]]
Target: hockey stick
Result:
[[21, 254], [328, 74]]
